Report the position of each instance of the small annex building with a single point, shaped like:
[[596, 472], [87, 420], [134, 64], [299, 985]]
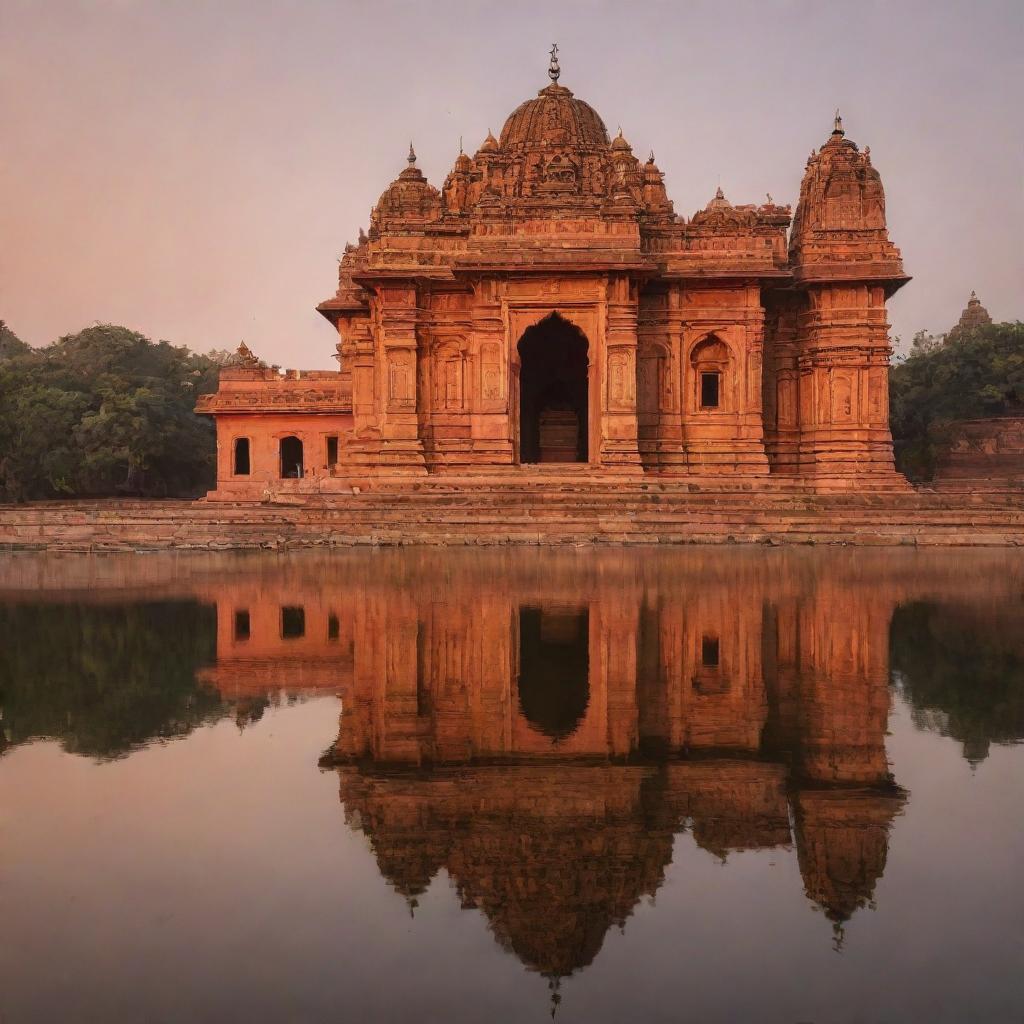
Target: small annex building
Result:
[[547, 305]]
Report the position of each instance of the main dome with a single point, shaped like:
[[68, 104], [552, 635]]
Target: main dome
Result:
[[553, 117]]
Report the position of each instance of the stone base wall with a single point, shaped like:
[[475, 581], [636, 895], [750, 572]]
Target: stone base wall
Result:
[[986, 449], [535, 511]]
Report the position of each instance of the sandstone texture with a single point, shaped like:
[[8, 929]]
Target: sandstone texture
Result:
[[532, 510]]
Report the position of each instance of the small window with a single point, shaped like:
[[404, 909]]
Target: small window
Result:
[[332, 451], [242, 456], [709, 390], [242, 624], [293, 623], [709, 651], [333, 627]]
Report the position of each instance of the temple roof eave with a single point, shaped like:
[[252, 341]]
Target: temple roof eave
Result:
[[334, 308], [850, 273], [370, 275], [776, 275], [264, 407], [528, 263]]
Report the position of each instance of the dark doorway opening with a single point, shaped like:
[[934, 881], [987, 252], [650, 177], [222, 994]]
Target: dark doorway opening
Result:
[[242, 464], [553, 405], [292, 466], [554, 668]]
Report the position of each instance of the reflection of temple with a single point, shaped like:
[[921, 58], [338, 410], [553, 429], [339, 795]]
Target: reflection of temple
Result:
[[543, 735], [703, 712], [541, 724]]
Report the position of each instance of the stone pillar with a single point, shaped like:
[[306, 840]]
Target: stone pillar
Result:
[[618, 438], [397, 352], [491, 423], [843, 358], [781, 386]]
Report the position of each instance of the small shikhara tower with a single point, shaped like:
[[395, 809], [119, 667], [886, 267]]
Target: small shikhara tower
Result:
[[548, 305], [827, 390]]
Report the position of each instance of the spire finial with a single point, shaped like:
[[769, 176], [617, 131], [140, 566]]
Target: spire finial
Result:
[[837, 125], [411, 158], [553, 69], [460, 145]]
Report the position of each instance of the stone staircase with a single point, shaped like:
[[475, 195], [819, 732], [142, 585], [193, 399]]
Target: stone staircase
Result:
[[538, 509]]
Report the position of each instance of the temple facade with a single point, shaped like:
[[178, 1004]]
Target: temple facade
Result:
[[548, 306]]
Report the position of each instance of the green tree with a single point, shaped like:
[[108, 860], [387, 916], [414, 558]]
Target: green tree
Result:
[[10, 343], [943, 381], [105, 411]]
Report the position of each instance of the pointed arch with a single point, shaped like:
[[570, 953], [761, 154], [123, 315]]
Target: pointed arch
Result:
[[554, 362]]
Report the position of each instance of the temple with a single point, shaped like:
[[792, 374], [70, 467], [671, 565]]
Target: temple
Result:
[[548, 306]]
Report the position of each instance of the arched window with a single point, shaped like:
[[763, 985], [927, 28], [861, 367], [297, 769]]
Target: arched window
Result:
[[242, 466], [710, 362], [291, 458]]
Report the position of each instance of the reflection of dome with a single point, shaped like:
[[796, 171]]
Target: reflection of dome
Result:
[[553, 857], [555, 116]]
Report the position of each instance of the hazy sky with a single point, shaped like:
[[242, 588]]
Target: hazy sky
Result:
[[193, 169]]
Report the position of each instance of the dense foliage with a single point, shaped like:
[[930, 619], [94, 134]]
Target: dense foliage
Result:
[[105, 411], [970, 376], [962, 672], [105, 679]]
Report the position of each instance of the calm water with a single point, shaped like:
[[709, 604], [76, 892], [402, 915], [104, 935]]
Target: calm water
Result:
[[713, 785]]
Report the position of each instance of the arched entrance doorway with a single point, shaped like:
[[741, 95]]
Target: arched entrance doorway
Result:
[[553, 406]]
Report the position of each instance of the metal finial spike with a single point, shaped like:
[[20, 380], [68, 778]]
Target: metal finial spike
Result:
[[650, 159], [460, 145], [412, 155], [837, 126], [553, 69]]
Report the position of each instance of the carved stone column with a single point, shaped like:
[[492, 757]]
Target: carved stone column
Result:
[[397, 349], [844, 371], [619, 448], [491, 427]]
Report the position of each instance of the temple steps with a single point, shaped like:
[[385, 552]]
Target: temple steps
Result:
[[555, 511]]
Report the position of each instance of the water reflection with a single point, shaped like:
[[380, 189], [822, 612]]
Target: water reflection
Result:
[[542, 725], [107, 678]]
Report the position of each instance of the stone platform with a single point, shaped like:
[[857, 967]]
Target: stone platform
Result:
[[537, 508]]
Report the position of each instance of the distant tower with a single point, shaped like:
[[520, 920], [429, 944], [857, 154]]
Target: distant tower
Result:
[[975, 315]]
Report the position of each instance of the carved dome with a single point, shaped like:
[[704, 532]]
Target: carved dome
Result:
[[554, 117], [410, 197]]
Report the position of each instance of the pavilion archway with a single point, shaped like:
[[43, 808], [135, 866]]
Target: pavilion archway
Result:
[[554, 367]]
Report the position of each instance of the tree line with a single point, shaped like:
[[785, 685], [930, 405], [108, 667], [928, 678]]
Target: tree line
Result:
[[105, 411]]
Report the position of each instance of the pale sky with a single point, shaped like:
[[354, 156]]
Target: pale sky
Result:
[[193, 169]]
